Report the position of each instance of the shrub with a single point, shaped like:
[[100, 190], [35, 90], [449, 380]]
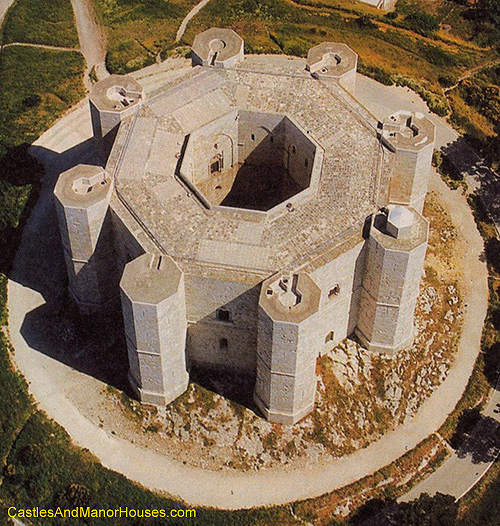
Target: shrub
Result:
[[421, 22]]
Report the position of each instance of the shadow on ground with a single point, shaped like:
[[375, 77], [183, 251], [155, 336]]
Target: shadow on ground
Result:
[[93, 345], [439, 510], [477, 436]]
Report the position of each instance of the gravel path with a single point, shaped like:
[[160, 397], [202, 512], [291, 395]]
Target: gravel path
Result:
[[43, 46], [196, 9], [49, 378], [92, 40]]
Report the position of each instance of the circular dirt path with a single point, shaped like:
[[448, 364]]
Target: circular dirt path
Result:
[[59, 148]]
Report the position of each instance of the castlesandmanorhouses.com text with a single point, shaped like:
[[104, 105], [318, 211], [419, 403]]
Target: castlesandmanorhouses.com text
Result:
[[82, 512]]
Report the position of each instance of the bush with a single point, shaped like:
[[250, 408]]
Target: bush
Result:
[[421, 22], [437, 104], [366, 22]]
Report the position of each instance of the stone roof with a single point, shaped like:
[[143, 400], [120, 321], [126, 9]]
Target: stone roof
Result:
[[331, 59], [116, 93], [352, 183], [82, 186], [220, 44]]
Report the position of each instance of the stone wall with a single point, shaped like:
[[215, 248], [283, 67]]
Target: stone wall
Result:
[[340, 282], [154, 314], [390, 288], [207, 327], [286, 372]]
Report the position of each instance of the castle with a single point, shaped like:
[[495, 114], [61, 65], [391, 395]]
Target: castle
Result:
[[251, 214]]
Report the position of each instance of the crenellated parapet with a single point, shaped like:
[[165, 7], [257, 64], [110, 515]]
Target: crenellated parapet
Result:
[[394, 264], [154, 314], [287, 347], [411, 137], [83, 195]]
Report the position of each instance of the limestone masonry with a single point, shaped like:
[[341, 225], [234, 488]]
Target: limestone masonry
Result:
[[251, 214]]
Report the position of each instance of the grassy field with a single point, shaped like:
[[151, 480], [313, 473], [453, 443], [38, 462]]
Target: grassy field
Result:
[[38, 22], [139, 31], [36, 87], [39, 464], [428, 45]]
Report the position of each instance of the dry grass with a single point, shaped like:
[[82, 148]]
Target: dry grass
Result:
[[389, 482], [360, 395]]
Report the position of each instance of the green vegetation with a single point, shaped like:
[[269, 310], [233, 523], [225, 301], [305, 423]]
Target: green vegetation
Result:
[[450, 175], [36, 22], [36, 87], [386, 484], [45, 469], [139, 31]]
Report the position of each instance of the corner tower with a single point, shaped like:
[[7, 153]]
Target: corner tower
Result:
[[218, 48], [394, 262], [154, 313], [82, 196], [111, 101], [411, 137], [331, 61], [287, 348]]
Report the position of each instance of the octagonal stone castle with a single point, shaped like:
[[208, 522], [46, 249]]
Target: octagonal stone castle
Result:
[[249, 215]]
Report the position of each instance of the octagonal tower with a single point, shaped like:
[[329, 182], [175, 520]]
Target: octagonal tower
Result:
[[333, 61], [218, 48], [113, 100], [394, 262], [287, 347], [154, 313], [411, 137], [82, 196]]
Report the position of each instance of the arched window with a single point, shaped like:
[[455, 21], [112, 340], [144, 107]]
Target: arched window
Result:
[[223, 344], [252, 136], [216, 164]]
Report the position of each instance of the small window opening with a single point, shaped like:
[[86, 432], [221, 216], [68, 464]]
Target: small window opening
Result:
[[335, 291], [216, 165], [330, 337], [252, 136], [306, 162], [216, 146], [223, 344], [294, 150], [223, 315], [271, 139]]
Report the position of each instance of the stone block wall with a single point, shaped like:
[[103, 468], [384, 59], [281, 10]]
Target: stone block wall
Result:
[[154, 314], [286, 368], [208, 327], [411, 173], [82, 197], [390, 288], [340, 283]]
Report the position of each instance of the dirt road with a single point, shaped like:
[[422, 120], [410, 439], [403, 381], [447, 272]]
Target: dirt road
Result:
[[92, 39]]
